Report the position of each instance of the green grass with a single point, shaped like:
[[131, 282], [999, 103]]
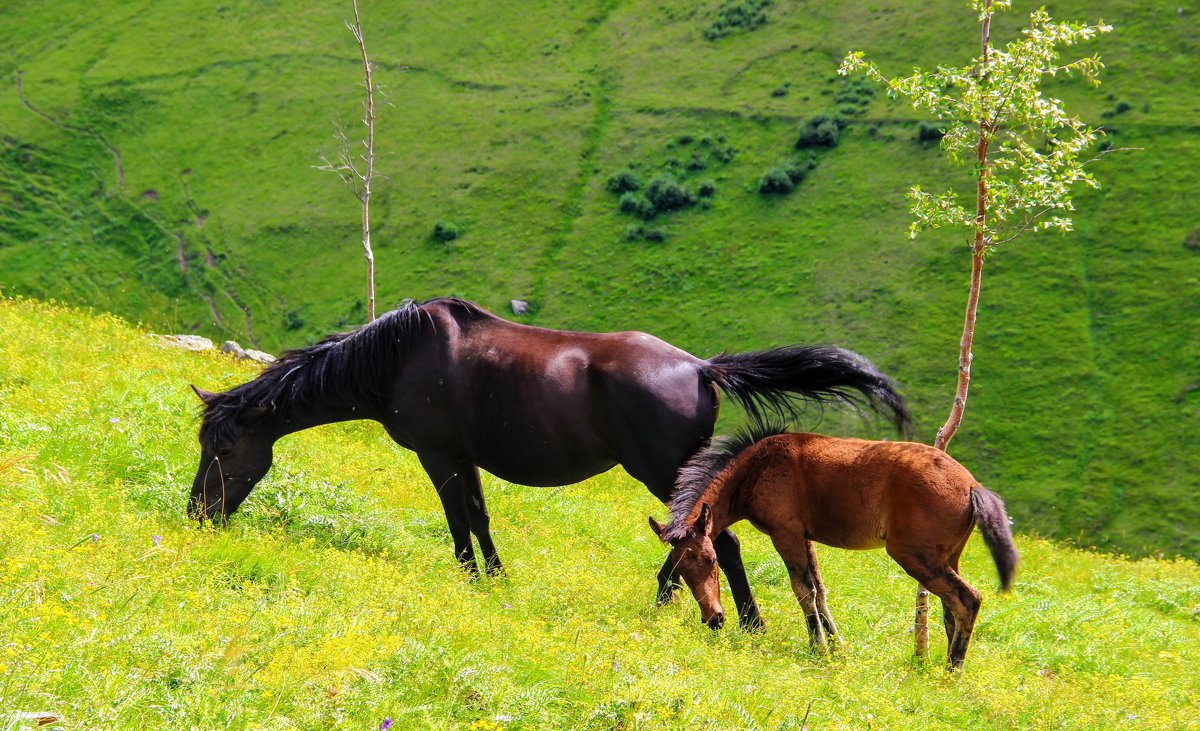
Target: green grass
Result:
[[333, 600], [507, 121]]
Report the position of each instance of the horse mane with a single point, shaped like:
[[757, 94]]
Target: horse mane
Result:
[[704, 466], [350, 366]]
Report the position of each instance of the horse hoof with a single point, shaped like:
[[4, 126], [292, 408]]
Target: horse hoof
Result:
[[753, 624], [666, 598]]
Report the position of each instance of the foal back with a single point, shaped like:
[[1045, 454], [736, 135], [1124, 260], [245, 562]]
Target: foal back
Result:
[[861, 494]]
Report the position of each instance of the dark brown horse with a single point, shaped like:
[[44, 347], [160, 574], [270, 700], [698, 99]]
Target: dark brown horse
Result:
[[465, 389], [912, 499]]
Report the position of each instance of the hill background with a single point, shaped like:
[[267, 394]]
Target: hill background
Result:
[[507, 121]]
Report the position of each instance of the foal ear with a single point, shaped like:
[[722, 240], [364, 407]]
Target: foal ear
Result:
[[205, 396], [704, 522], [656, 527]]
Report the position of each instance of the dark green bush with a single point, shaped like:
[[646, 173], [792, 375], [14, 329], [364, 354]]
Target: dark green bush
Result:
[[445, 232], [666, 194], [820, 131], [654, 235], [783, 179], [737, 15], [776, 181], [623, 182], [927, 132], [707, 188], [637, 205]]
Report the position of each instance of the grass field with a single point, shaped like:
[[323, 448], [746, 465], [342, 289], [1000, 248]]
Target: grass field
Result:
[[333, 601], [507, 121]]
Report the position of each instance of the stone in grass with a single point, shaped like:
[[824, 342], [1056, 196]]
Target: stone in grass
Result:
[[237, 351], [187, 342], [519, 307]]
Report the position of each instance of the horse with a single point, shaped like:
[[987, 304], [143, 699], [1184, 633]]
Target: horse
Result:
[[465, 389], [911, 499]]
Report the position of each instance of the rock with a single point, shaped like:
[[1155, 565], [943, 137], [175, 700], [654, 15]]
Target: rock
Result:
[[257, 356], [187, 342], [520, 307], [237, 351]]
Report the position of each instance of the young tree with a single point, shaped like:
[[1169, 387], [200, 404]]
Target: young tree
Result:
[[1026, 154], [347, 165]]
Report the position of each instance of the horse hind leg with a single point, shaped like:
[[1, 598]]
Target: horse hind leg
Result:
[[959, 599], [822, 608]]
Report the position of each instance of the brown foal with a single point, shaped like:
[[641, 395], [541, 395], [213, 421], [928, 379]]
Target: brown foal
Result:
[[911, 499]]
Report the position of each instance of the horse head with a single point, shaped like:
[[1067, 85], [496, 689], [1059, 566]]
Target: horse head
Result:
[[235, 454], [695, 558]]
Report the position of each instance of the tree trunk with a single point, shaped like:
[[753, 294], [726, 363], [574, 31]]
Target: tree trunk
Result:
[[978, 247]]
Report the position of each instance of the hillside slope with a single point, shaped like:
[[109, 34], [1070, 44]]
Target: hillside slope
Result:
[[333, 600], [507, 121]]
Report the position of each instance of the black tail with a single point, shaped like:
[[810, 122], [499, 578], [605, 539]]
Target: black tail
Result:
[[769, 383], [993, 524]]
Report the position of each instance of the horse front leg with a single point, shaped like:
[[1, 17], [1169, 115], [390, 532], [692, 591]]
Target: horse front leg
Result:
[[452, 478], [481, 524], [729, 558]]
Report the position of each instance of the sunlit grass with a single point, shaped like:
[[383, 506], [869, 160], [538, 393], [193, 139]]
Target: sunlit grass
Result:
[[332, 600]]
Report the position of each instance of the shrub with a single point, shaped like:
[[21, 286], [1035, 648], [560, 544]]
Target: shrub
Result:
[[779, 91], [820, 131], [776, 181], [707, 188], [445, 232], [637, 205], [666, 194], [696, 163], [654, 235], [1192, 241], [737, 15], [623, 182], [783, 179], [927, 132], [633, 232]]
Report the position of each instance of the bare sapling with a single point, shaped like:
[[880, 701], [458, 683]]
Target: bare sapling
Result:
[[357, 169]]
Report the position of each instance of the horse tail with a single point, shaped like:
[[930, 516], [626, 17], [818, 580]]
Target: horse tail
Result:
[[768, 383], [993, 524]]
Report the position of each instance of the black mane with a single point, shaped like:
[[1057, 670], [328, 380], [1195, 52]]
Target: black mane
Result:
[[704, 466], [351, 366]]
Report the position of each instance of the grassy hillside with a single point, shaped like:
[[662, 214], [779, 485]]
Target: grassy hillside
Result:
[[333, 600], [507, 121]]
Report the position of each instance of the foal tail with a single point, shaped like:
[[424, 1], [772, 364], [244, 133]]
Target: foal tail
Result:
[[768, 382], [993, 524]]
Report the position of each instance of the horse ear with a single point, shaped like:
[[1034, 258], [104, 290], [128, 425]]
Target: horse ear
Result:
[[205, 396], [704, 522], [656, 527]]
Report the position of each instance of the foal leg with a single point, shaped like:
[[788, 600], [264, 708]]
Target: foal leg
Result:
[[801, 565], [959, 599], [822, 607], [451, 478]]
